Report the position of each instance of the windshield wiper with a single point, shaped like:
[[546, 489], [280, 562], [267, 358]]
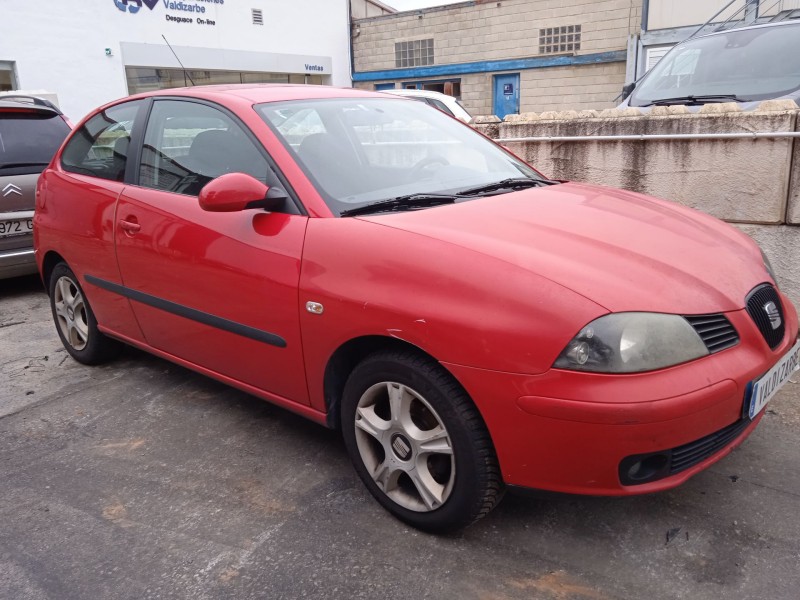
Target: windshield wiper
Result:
[[23, 164], [402, 203], [698, 99], [512, 184], [423, 200]]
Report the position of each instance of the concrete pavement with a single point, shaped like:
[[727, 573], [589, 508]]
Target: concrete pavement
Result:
[[141, 480]]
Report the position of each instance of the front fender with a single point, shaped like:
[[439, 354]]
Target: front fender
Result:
[[459, 306]]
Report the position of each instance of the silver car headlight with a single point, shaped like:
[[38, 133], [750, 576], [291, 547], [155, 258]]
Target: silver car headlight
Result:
[[631, 343]]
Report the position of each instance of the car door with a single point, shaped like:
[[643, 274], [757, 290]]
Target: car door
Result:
[[218, 290]]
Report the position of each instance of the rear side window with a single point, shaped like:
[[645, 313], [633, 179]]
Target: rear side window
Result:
[[100, 147], [28, 140], [441, 106]]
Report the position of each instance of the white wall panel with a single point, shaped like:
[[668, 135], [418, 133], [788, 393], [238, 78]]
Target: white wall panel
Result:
[[61, 46]]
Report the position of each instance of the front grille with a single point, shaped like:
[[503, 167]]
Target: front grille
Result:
[[765, 308], [646, 468], [695, 452], [716, 331]]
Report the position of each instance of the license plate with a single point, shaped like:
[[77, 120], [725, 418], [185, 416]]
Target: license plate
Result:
[[766, 386], [15, 227]]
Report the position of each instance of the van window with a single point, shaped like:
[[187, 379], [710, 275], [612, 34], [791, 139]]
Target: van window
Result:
[[28, 140], [746, 64]]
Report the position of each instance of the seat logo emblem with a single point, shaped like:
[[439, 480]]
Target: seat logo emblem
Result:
[[134, 6], [774, 314], [12, 189], [401, 447]]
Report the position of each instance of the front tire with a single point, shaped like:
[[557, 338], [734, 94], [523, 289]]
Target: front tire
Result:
[[418, 442], [75, 321]]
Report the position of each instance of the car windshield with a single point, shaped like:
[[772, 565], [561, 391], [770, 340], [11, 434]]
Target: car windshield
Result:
[[29, 140], [750, 64], [364, 150]]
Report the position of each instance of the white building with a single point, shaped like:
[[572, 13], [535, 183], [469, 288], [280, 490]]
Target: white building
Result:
[[92, 51], [363, 9]]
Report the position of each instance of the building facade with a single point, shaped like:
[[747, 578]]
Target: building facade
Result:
[[502, 57], [93, 51], [363, 9]]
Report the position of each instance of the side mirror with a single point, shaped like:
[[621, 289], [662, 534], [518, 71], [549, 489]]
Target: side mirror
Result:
[[235, 192], [627, 89]]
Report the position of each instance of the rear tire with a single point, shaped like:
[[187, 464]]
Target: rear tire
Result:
[[418, 442], [75, 321]]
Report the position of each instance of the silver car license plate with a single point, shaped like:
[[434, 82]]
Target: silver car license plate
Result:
[[12, 227]]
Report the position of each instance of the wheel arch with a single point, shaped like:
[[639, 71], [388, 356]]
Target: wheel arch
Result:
[[51, 259], [347, 356]]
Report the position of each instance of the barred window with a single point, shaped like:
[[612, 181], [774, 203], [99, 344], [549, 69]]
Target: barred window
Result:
[[415, 53], [554, 40]]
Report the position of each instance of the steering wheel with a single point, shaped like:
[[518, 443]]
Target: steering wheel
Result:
[[421, 165]]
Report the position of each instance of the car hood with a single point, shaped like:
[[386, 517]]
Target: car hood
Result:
[[622, 250]]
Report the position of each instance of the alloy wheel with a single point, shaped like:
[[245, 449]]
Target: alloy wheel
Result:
[[405, 446], [70, 309]]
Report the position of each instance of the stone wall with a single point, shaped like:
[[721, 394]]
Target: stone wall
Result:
[[752, 183], [553, 88], [480, 31], [485, 32], [576, 88]]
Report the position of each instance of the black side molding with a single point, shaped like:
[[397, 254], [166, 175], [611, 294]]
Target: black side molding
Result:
[[190, 313]]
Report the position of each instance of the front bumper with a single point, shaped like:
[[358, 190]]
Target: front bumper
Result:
[[567, 431]]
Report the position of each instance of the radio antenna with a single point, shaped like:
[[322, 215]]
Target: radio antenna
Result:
[[185, 72]]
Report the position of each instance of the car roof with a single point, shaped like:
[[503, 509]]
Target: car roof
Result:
[[244, 94], [265, 92], [29, 104], [428, 93], [746, 28]]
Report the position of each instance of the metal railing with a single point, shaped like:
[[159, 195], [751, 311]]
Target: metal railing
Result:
[[755, 135], [743, 10]]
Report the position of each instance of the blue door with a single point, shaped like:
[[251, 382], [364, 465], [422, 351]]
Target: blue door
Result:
[[384, 86], [506, 95]]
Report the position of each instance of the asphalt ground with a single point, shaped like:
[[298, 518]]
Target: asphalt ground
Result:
[[141, 479]]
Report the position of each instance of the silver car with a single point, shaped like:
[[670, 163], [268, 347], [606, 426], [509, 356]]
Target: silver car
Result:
[[745, 65], [31, 130]]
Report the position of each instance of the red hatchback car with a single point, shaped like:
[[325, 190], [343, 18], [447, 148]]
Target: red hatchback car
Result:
[[378, 267]]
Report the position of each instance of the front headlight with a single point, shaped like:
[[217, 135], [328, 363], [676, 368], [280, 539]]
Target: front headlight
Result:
[[768, 267], [631, 343]]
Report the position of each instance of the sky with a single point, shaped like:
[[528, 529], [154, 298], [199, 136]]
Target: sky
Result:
[[412, 4]]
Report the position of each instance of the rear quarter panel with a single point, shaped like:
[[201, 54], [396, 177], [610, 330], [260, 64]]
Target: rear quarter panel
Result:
[[75, 218]]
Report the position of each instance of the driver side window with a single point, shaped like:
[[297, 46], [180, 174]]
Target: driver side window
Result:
[[188, 144]]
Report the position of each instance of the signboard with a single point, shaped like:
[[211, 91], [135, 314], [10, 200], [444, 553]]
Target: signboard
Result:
[[508, 89], [179, 9]]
